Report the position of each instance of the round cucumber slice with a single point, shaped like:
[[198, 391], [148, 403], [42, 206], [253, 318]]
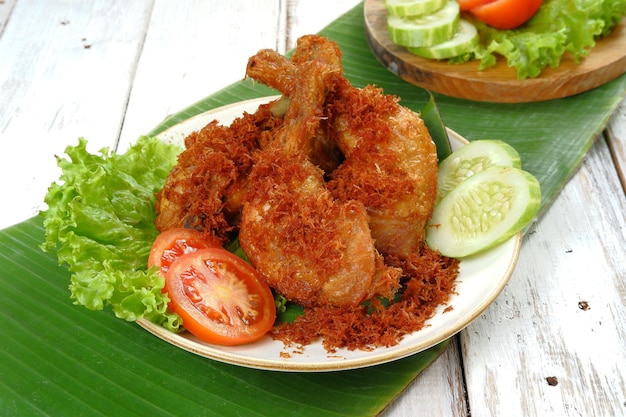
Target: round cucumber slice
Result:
[[426, 30], [465, 40], [483, 211], [473, 158], [403, 8]]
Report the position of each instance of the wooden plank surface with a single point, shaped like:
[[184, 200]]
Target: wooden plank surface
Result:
[[69, 77], [112, 70], [6, 7], [191, 51]]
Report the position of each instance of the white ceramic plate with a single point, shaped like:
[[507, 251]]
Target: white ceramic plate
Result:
[[481, 279]]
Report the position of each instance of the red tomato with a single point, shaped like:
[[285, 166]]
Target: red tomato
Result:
[[173, 243], [469, 4], [220, 297], [506, 14]]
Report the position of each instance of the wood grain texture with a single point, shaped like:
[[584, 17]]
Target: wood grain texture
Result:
[[6, 7], [616, 139], [437, 391], [69, 77], [606, 61], [111, 70], [191, 51]]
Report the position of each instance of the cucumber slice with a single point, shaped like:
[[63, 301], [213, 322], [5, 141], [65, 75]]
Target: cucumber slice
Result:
[[465, 40], [403, 8], [483, 211], [426, 30], [471, 159]]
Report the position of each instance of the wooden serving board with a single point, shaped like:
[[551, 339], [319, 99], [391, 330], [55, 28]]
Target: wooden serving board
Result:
[[499, 84]]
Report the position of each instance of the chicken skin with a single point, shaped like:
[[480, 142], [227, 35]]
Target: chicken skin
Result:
[[390, 165], [274, 70], [390, 159], [311, 248], [207, 187]]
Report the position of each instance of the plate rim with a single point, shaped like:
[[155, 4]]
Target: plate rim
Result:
[[216, 352]]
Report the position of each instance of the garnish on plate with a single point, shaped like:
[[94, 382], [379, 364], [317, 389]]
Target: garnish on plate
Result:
[[529, 35]]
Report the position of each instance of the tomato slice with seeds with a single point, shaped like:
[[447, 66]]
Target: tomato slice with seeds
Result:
[[173, 243], [220, 298], [506, 14]]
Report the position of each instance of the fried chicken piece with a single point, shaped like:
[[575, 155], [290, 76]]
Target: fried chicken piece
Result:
[[274, 70], [206, 188], [390, 159], [390, 165], [306, 245]]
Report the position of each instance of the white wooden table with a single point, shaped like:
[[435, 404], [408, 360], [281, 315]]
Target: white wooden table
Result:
[[111, 70]]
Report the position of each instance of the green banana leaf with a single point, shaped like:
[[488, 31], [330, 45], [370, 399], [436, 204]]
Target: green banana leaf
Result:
[[62, 359]]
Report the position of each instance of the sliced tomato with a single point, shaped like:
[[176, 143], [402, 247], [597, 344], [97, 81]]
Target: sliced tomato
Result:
[[220, 298], [506, 14], [173, 243], [465, 5]]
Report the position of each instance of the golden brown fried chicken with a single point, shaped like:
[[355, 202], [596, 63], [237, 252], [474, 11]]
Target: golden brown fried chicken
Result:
[[207, 187], [390, 159], [309, 247], [390, 165], [274, 70]]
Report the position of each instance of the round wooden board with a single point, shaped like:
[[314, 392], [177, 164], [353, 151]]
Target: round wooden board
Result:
[[605, 62]]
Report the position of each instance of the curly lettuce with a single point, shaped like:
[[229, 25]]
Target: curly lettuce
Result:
[[559, 27], [100, 219]]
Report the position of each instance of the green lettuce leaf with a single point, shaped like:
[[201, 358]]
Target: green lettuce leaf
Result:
[[100, 219], [559, 27]]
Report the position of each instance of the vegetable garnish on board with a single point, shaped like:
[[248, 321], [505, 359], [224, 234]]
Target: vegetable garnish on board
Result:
[[505, 14], [529, 34]]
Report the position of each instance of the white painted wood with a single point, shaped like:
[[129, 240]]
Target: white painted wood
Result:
[[96, 69], [64, 72], [437, 391], [6, 6], [192, 49], [309, 16]]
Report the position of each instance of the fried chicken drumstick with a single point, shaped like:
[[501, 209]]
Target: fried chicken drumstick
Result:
[[310, 247], [390, 159]]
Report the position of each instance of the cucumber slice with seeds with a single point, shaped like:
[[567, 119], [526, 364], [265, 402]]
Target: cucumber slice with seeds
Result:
[[486, 209], [403, 8], [465, 40], [471, 159], [426, 30]]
